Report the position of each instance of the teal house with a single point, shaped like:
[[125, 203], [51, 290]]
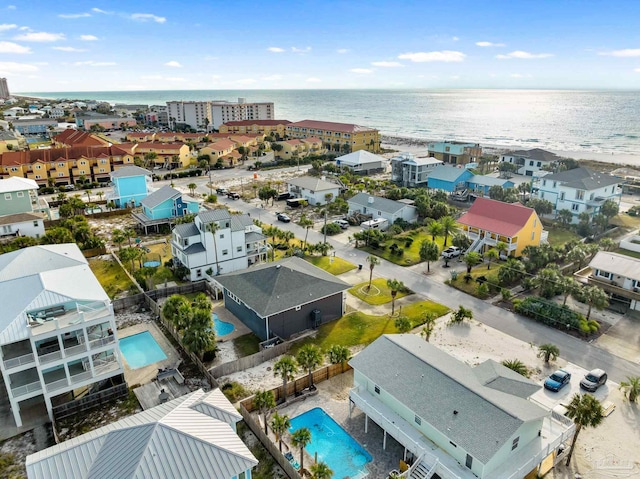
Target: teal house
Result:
[[480, 184], [163, 206], [130, 186], [448, 178]]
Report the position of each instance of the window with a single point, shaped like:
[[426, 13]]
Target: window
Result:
[[35, 224], [469, 461], [531, 163], [185, 242], [376, 389], [239, 249], [542, 194], [562, 196], [417, 420], [575, 207], [515, 443], [20, 194], [453, 444], [199, 273], [225, 252], [555, 184], [533, 235], [544, 182], [579, 194], [604, 274], [535, 222], [592, 196], [61, 165], [221, 236], [7, 196]]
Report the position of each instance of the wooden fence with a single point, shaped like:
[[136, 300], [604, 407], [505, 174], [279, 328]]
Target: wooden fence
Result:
[[79, 405], [247, 362]]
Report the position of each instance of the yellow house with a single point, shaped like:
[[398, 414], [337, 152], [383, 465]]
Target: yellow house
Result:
[[265, 127], [218, 149], [11, 141], [290, 148], [341, 137], [489, 221], [165, 151]]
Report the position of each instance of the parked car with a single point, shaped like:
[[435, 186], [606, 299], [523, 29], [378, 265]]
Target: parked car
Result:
[[222, 191], [283, 217], [451, 252], [557, 380], [233, 195], [593, 380], [68, 187], [283, 196], [344, 224]]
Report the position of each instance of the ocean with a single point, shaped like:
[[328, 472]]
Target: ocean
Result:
[[602, 122]]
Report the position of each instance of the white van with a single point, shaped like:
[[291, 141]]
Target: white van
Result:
[[377, 224]]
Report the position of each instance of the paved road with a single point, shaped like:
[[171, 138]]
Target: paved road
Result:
[[583, 354]]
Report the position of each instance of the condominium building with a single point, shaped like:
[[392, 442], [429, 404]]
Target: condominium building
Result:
[[265, 127], [58, 336], [4, 89], [207, 115], [343, 137]]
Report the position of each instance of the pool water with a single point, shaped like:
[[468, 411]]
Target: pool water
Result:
[[151, 264], [222, 328], [342, 453], [141, 350]]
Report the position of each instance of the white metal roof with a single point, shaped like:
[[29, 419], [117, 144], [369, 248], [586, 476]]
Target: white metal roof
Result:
[[15, 183], [360, 157], [618, 264], [170, 441]]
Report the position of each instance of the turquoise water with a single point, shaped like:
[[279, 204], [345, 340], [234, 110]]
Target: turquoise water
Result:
[[222, 328], [141, 350], [342, 453], [151, 264]]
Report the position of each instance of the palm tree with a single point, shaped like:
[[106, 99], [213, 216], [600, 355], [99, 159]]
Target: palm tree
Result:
[[631, 387], [569, 287], [320, 470], [511, 271], [517, 366], [264, 402], [586, 411], [429, 251], [172, 305], [565, 216], [309, 357], [279, 425], [449, 227], [338, 354], [435, 229], [491, 255], [607, 244], [394, 285], [502, 248], [460, 315], [306, 223], [373, 261], [300, 438], [403, 324], [198, 336], [192, 188], [118, 237], [429, 325], [286, 368], [548, 352], [595, 297], [472, 259]]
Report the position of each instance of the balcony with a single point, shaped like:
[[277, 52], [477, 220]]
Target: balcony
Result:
[[26, 389], [97, 343], [56, 385], [57, 317], [19, 361], [50, 357], [612, 287]]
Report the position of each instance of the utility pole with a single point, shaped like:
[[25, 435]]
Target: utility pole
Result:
[[325, 225], [210, 185]]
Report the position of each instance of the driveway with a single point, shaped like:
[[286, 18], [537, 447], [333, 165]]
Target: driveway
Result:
[[623, 338]]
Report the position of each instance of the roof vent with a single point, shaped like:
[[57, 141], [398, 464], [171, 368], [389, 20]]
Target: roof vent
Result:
[[455, 412], [371, 200], [278, 266]]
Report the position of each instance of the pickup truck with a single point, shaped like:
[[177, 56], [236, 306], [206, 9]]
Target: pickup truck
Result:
[[451, 252], [233, 195]]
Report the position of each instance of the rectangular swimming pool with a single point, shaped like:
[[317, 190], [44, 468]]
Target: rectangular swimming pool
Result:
[[141, 350], [342, 453]]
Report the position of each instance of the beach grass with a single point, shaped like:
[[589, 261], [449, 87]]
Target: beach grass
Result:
[[111, 277]]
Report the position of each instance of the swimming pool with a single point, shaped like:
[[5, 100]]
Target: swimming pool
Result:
[[151, 264], [342, 453], [141, 350], [222, 328]]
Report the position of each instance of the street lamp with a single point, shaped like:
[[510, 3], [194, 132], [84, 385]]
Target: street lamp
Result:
[[210, 185]]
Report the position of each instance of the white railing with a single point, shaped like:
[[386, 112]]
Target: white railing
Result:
[[19, 361], [96, 343], [76, 378], [103, 366], [47, 358], [55, 385], [26, 389], [476, 245], [80, 348]]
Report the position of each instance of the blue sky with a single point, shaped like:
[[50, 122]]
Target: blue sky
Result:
[[214, 44]]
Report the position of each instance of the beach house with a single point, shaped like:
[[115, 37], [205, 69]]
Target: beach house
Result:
[[455, 152], [409, 171], [317, 191], [454, 420], [489, 222], [448, 178], [618, 275], [363, 162], [377, 207], [131, 184], [163, 206], [529, 161], [22, 213]]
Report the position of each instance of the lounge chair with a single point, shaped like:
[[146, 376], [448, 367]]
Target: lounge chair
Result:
[[288, 456]]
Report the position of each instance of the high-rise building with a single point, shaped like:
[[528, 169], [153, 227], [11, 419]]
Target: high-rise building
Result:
[[4, 89], [207, 115]]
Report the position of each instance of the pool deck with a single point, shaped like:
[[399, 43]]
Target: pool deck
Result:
[[225, 315], [148, 373], [333, 397]]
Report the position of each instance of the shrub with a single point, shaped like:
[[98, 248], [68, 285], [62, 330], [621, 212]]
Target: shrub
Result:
[[395, 230], [482, 290], [546, 312], [634, 211], [588, 326], [209, 356], [330, 229], [408, 242], [235, 391]]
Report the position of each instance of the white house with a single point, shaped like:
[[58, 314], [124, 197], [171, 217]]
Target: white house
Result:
[[22, 213], [363, 162], [191, 437], [529, 161], [618, 275], [455, 420], [315, 190], [57, 328], [579, 190], [378, 207], [410, 171], [218, 242]]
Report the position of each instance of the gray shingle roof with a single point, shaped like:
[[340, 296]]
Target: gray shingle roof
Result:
[[271, 288], [313, 184], [187, 229], [583, 179], [214, 215], [158, 197], [129, 171], [195, 248], [252, 237], [433, 385], [382, 204], [446, 173], [487, 180], [537, 154], [240, 222]]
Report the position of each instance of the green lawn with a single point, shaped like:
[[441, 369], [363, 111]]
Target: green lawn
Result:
[[472, 285], [558, 236], [379, 293], [362, 329], [331, 265], [411, 254], [247, 345], [111, 276], [626, 252]]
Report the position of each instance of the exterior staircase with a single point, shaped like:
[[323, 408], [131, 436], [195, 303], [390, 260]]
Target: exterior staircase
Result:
[[476, 245]]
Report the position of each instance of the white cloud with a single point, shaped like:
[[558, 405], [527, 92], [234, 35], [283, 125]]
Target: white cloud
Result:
[[523, 55], [300, 50], [40, 37], [68, 49], [98, 10], [7, 26], [625, 53], [637, 70], [362, 71], [173, 64], [10, 47], [272, 78], [342, 51], [74, 15], [489, 44], [387, 64], [455, 39], [313, 80], [11, 7], [275, 49], [88, 38], [13, 67], [93, 63], [147, 17], [437, 56]]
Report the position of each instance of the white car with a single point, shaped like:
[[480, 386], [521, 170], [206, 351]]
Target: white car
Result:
[[344, 224], [451, 252]]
